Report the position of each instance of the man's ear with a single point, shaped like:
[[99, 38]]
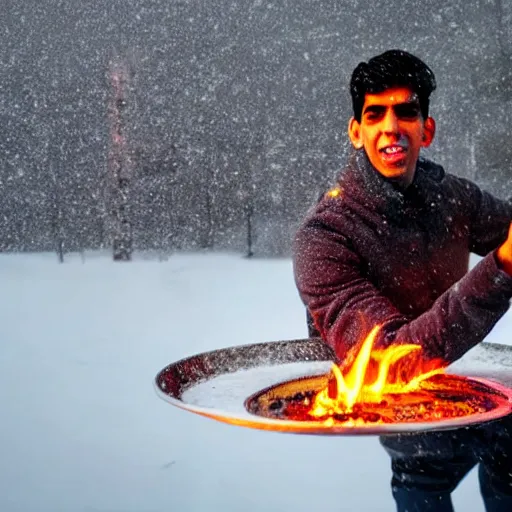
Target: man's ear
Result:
[[354, 133], [429, 131]]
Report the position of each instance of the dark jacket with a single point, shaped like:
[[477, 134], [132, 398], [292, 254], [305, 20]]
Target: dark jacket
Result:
[[371, 254]]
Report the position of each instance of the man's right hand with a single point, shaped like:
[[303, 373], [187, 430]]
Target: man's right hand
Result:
[[504, 253]]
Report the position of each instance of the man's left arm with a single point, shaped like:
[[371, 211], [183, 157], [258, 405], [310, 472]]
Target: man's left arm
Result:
[[490, 219]]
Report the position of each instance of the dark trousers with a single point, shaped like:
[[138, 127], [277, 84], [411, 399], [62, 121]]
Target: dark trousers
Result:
[[428, 467]]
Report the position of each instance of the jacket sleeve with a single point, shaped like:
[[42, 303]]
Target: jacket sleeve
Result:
[[489, 216], [345, 304]]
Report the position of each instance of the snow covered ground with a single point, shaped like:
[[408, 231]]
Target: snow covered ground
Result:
[[82, 429]]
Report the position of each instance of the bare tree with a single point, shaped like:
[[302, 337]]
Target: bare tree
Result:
[[119, 162]]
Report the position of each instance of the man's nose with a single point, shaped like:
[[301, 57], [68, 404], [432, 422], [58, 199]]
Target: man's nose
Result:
[[390, 122]]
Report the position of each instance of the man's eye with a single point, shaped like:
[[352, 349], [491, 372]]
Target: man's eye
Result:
[[373, 116], [407, 111]]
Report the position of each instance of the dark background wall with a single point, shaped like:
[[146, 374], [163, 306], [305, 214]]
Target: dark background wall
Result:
[[234, 113]]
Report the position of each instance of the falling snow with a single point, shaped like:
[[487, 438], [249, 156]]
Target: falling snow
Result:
[[233, 114]]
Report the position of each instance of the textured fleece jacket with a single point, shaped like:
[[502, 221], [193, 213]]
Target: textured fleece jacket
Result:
[[370, 254]]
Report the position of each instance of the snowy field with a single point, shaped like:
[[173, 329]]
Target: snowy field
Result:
[[82, 429]]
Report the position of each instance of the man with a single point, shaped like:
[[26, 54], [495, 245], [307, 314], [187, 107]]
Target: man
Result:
[[390, 246]]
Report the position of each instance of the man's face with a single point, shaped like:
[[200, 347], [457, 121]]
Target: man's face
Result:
[[392, 132]]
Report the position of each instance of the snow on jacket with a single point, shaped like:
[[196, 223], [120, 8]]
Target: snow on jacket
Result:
[[369, 254]]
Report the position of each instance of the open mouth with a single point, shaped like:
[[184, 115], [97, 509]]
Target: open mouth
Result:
[[394, 154], [393, 150]]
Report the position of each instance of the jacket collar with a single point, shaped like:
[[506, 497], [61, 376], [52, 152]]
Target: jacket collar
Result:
[[366, 185]]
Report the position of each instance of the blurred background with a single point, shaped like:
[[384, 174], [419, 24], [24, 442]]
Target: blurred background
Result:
[[186, 125]]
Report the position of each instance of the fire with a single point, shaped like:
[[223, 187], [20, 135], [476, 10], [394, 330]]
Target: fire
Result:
[[395, 386], [374, 374]]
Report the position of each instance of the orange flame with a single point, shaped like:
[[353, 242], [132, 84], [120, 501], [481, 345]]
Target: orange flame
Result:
[[362, 383]]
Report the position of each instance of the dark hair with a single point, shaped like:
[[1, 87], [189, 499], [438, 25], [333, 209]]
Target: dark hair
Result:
[[394, 68]]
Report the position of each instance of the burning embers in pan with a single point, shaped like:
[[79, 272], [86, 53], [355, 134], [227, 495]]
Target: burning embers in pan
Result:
[[388, 386]]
